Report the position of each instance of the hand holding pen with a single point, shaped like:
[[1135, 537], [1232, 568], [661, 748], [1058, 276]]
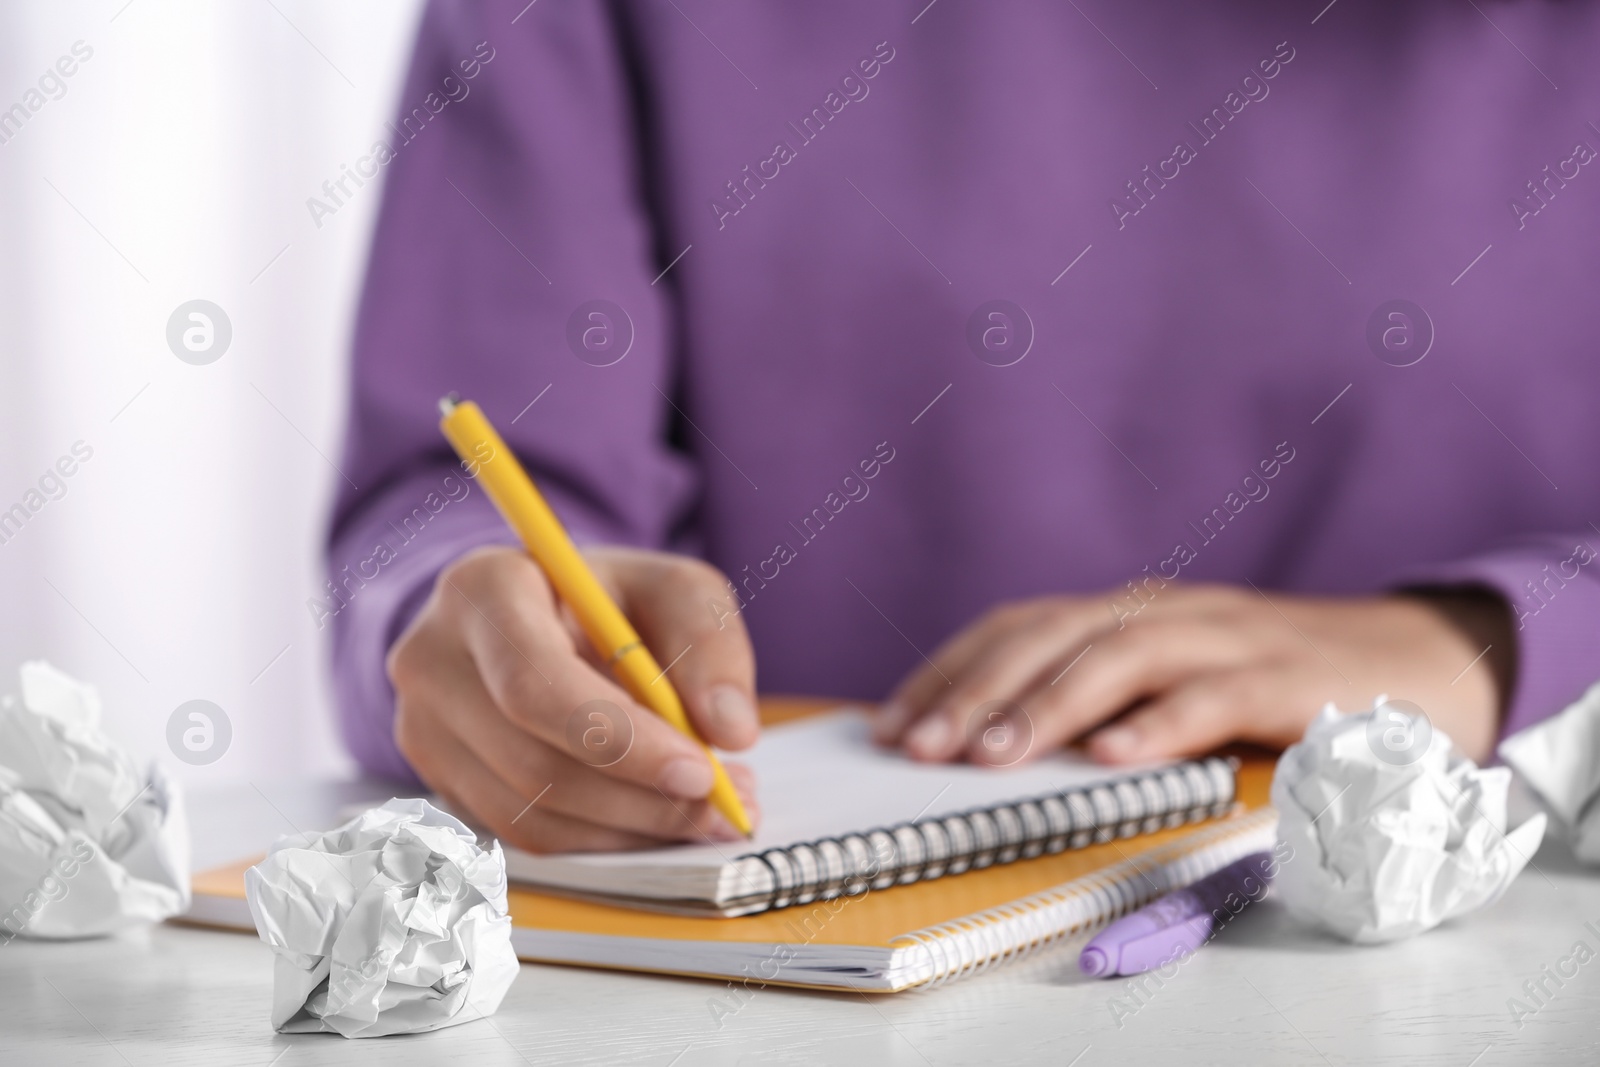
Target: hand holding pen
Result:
[[503, 706]]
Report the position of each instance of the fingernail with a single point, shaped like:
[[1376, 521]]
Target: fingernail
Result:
[[930, 736], [1118, 742], [686, 778], [731, 711]]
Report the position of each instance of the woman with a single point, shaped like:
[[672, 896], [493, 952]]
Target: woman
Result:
[[1147, 381]]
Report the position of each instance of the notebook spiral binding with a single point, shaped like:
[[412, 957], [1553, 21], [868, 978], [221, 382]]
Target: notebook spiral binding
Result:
[[1001, 935], [982, 837]]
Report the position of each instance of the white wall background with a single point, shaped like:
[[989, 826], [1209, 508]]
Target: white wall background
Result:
[[176, 166]]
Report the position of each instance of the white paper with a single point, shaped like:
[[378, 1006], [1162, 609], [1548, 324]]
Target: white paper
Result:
[[1560, 759], [1384, 849], [88, 844], [394, 923], [821, 777]]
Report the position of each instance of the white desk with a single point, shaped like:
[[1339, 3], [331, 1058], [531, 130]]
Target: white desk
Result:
[[1264, 992]]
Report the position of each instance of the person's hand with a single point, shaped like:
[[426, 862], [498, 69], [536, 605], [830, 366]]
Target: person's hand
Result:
[[503, 708], [1196, 667]]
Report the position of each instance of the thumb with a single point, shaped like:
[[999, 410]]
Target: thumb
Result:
[[689, 620]]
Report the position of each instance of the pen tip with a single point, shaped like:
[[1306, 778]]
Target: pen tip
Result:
[[448, 402]]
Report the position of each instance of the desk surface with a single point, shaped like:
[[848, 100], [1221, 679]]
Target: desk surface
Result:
[[1265, 991]]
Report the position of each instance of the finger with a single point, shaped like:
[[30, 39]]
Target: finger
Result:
[[1188, 720], [450, 769], [1125, 667], [925, 685], [1177, 600], [689, 621], [1008, 668], [744, 782], [554, 780], [515, 823], [530, 668], [579, 792], [699, 821]]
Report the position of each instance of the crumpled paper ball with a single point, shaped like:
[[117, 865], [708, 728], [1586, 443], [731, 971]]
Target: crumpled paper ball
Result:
[[1392, 832], [1560, 759], [394, 923], [89, 844]]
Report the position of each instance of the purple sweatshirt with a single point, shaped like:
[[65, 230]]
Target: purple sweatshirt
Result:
[[896, 312]]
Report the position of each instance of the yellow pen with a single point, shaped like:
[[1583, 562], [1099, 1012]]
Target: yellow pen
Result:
[[608, 630]]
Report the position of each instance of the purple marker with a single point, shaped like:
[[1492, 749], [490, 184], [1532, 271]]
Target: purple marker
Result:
[[1178, 923]]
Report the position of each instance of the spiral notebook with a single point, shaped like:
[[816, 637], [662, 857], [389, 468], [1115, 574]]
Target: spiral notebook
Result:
[[823, 917], [898, 938], [842, 815]]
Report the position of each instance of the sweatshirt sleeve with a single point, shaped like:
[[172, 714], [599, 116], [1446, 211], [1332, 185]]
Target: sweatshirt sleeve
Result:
[[1552, 587], [512, 265]]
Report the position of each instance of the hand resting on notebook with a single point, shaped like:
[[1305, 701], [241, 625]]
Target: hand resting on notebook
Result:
[[1203, 665], [502, 708]]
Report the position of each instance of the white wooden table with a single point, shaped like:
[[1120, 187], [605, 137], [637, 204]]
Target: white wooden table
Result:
[[1264, 992]]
